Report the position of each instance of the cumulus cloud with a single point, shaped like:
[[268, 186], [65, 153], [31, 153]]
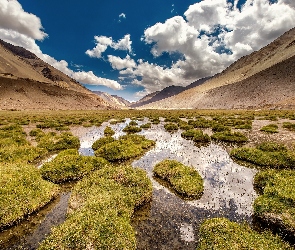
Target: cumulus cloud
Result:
[[213, 34], [103, 42], [22, 29], [13, 17], [119, 63], [122, 15]]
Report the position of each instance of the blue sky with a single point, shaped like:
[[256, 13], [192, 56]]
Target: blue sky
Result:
[[133, 47]]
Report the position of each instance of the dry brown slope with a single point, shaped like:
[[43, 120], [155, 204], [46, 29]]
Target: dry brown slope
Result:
[[279, 50], [27, 94], [18, 67]]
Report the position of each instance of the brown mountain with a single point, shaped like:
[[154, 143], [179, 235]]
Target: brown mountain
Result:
[[166, 92], [263, 79], [113, 99], [27, 82]]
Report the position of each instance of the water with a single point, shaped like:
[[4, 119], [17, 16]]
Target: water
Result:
[[169, 222]]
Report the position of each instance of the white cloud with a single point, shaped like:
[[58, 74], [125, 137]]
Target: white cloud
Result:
[[122, 15], [209, 27], [103, 42], [13, 17], [119, 63], [22, 29]]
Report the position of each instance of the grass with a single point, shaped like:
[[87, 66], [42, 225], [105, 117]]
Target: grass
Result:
[[270, 128], [288, 125], [125, 148], [200, 123], [228, 136], [277, 197], [101, 208], [196, 135], [171, 127], [102, 141], [56, 142], [69, 165], [146, 125], [108, 131], [22, 192], [130, 129], [185, 180], [222, 234], [267, 154]]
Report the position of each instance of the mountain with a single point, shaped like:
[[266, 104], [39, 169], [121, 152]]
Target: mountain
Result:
[[166, 92], [113, 99], [27, 82], [263, 79]]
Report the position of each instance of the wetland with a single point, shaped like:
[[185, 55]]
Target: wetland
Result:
[[147, 210]]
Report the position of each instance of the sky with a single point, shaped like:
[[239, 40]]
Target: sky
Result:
[[133, 47]]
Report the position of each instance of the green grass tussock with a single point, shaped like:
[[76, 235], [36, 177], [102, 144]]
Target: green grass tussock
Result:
[[102, 141], [69, 165], [185, 180], [267, 154], [196, 135], [290, 126], [130, 129], [270, 128], [146, 125], [277, 197], [108, 131], [126, 147], [228, 136], [101, 207], [171, 127], [22, 192], [222, 234]]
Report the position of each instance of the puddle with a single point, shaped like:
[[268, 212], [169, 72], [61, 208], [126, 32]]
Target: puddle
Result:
[[29, 233], [170, 222]]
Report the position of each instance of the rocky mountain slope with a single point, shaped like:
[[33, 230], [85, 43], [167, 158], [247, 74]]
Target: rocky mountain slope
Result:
[[113, 99], [27, 82], [166, 92], [264, 78]]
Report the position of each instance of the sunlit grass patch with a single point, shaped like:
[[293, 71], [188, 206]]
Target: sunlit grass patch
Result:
[[267, 154], [277, 199], [185, 180], [200, 123], [222, 234], [130, 129], [290, 126], [196, 135], [146, 125], [228, 136], [126, 147], [22, 191], [170, 127], [102, 141], [108, 131], [101, 206], [55, 142], [69, 165], [270, 128]]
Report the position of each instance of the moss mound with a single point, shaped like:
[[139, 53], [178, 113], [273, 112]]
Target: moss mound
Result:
[[102, 141], [170, 127], [69, 165], [22, 192], [185, 180], [277, 199], [228, 136], [271, 128], [220, 233], [266, 154], [146, 125], [101, 207], [126, 147], [130, 129], [196, 135], [108, 131]]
